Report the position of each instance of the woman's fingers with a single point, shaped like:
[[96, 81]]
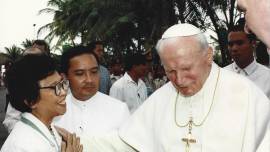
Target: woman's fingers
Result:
[[64, 133], [63, 146]]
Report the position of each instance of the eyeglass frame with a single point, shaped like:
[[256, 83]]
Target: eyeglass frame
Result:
[[62, 87]]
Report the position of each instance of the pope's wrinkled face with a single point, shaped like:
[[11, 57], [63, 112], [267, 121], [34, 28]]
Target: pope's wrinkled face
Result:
[[185, 64], [83, 76]]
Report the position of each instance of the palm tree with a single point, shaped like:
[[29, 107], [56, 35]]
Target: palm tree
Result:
[[133, 25], [13, 53], [222, 15], [27, 43], [61, 26]]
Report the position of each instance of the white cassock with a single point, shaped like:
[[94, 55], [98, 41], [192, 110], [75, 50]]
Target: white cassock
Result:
[[265, 144], [25, 138], [96, 116], [236, 122]]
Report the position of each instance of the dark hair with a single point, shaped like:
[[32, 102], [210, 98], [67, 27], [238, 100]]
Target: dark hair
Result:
[[135, 59], [23, 79], [240, 28], [116, 60], [43, 43], [261, 54], [73, 52], [93, 44]]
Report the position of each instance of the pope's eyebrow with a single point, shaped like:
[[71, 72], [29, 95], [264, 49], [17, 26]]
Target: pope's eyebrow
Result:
[[240, 9]]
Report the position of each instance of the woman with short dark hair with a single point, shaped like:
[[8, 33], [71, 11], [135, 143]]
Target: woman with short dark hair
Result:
[[38, 91]]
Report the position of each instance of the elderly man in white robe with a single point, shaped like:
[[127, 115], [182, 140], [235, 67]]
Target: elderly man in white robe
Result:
[[202, 108]]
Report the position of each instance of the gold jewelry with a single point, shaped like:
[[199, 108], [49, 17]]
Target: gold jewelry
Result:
[[189, 139], [192, 122]]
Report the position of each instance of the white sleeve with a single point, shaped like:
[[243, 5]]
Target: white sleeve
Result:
[[265, 144], [109, 143], [125, 113], [11, 118], [116, 92]]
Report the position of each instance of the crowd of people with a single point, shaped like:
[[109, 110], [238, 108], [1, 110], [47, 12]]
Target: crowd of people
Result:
[[188, 103]]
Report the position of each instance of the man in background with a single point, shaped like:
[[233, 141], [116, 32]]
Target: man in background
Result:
[[105, 81], [130, 88], [116, 70], [241, 47]]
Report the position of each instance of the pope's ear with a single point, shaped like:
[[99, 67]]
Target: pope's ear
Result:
[[209, 55]]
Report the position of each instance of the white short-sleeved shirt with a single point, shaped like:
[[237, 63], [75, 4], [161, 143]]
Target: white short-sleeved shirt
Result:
[[256, 72], [130, 92]]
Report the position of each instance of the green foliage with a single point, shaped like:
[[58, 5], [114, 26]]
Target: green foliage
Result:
[[13, 53], [134, 25], [27, 43]]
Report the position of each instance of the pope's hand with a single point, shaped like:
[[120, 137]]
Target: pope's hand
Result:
[[70, 143]]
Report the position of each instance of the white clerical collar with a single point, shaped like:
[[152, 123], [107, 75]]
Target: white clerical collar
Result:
[[87, 102]]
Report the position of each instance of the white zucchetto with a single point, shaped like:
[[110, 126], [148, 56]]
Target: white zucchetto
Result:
[[181, 30]]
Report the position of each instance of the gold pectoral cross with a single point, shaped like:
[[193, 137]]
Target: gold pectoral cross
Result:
[[189, 140]]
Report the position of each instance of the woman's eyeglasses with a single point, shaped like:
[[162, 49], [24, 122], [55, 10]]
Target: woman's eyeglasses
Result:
[[64, 84]]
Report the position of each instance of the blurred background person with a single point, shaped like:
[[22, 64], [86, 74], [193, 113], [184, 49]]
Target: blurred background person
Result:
[[148, 78], [241, 47], [160, 77], [42, 45], [105, 81], [116, 70], [130, 88]]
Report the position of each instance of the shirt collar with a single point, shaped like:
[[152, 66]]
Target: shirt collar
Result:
[[248, 69], [251, 67], [129, 79], [115, 76]]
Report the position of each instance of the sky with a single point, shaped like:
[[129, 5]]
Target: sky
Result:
[[17, 19]]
